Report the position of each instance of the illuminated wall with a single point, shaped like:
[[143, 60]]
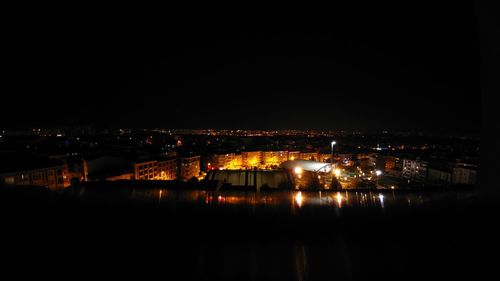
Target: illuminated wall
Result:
[[324, 157], [271, 158], [309, 156], [156, 170], [229, 161], [293, 155], [251, 159]]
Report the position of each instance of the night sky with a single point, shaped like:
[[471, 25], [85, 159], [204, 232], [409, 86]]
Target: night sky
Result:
[[411, 66]]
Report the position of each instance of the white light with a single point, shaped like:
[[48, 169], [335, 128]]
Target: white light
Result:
[[298, 170], [381, 197], [378, 172], [299, 199]]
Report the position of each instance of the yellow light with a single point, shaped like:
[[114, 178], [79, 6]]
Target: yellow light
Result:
[[319, 177], [337, 172], [298, 170], [299, 199], [339, 199]]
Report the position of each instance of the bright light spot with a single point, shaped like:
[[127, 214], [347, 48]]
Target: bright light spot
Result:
[[298, 170], [381, 197], [339, 199], [319, 177], [378, 172], [337, 172], [392, 186], [299, 199], [334, 143]]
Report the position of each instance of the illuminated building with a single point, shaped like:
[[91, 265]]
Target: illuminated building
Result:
[[293, 155], [53, 177], [165, 169], [313, 156], [230, 161], [254, 179], [385, 163], [189, 167], [235, 163], [324, 157], [274, 158], [415, 170], [251, 159]]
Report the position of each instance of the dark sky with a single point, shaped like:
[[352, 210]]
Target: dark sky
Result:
[[411, 66]]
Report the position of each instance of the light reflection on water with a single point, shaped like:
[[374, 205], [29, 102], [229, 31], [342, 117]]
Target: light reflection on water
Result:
[[286, 198]]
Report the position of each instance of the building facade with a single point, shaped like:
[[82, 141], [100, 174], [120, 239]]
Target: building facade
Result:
[[231, 161], [274, 158], [293, 155], [156, 170], [415, 170], [251, 159], [189, 167], [313, 156], [54, 178], [464, 174]]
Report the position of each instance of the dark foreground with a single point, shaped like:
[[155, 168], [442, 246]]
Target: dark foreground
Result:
[[197, 235]]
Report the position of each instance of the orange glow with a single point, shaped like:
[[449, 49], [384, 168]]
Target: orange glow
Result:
[[299, 199], [339, 199]]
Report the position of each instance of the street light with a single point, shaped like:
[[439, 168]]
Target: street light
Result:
[[298, 170], [378, 173], [331, 156]]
